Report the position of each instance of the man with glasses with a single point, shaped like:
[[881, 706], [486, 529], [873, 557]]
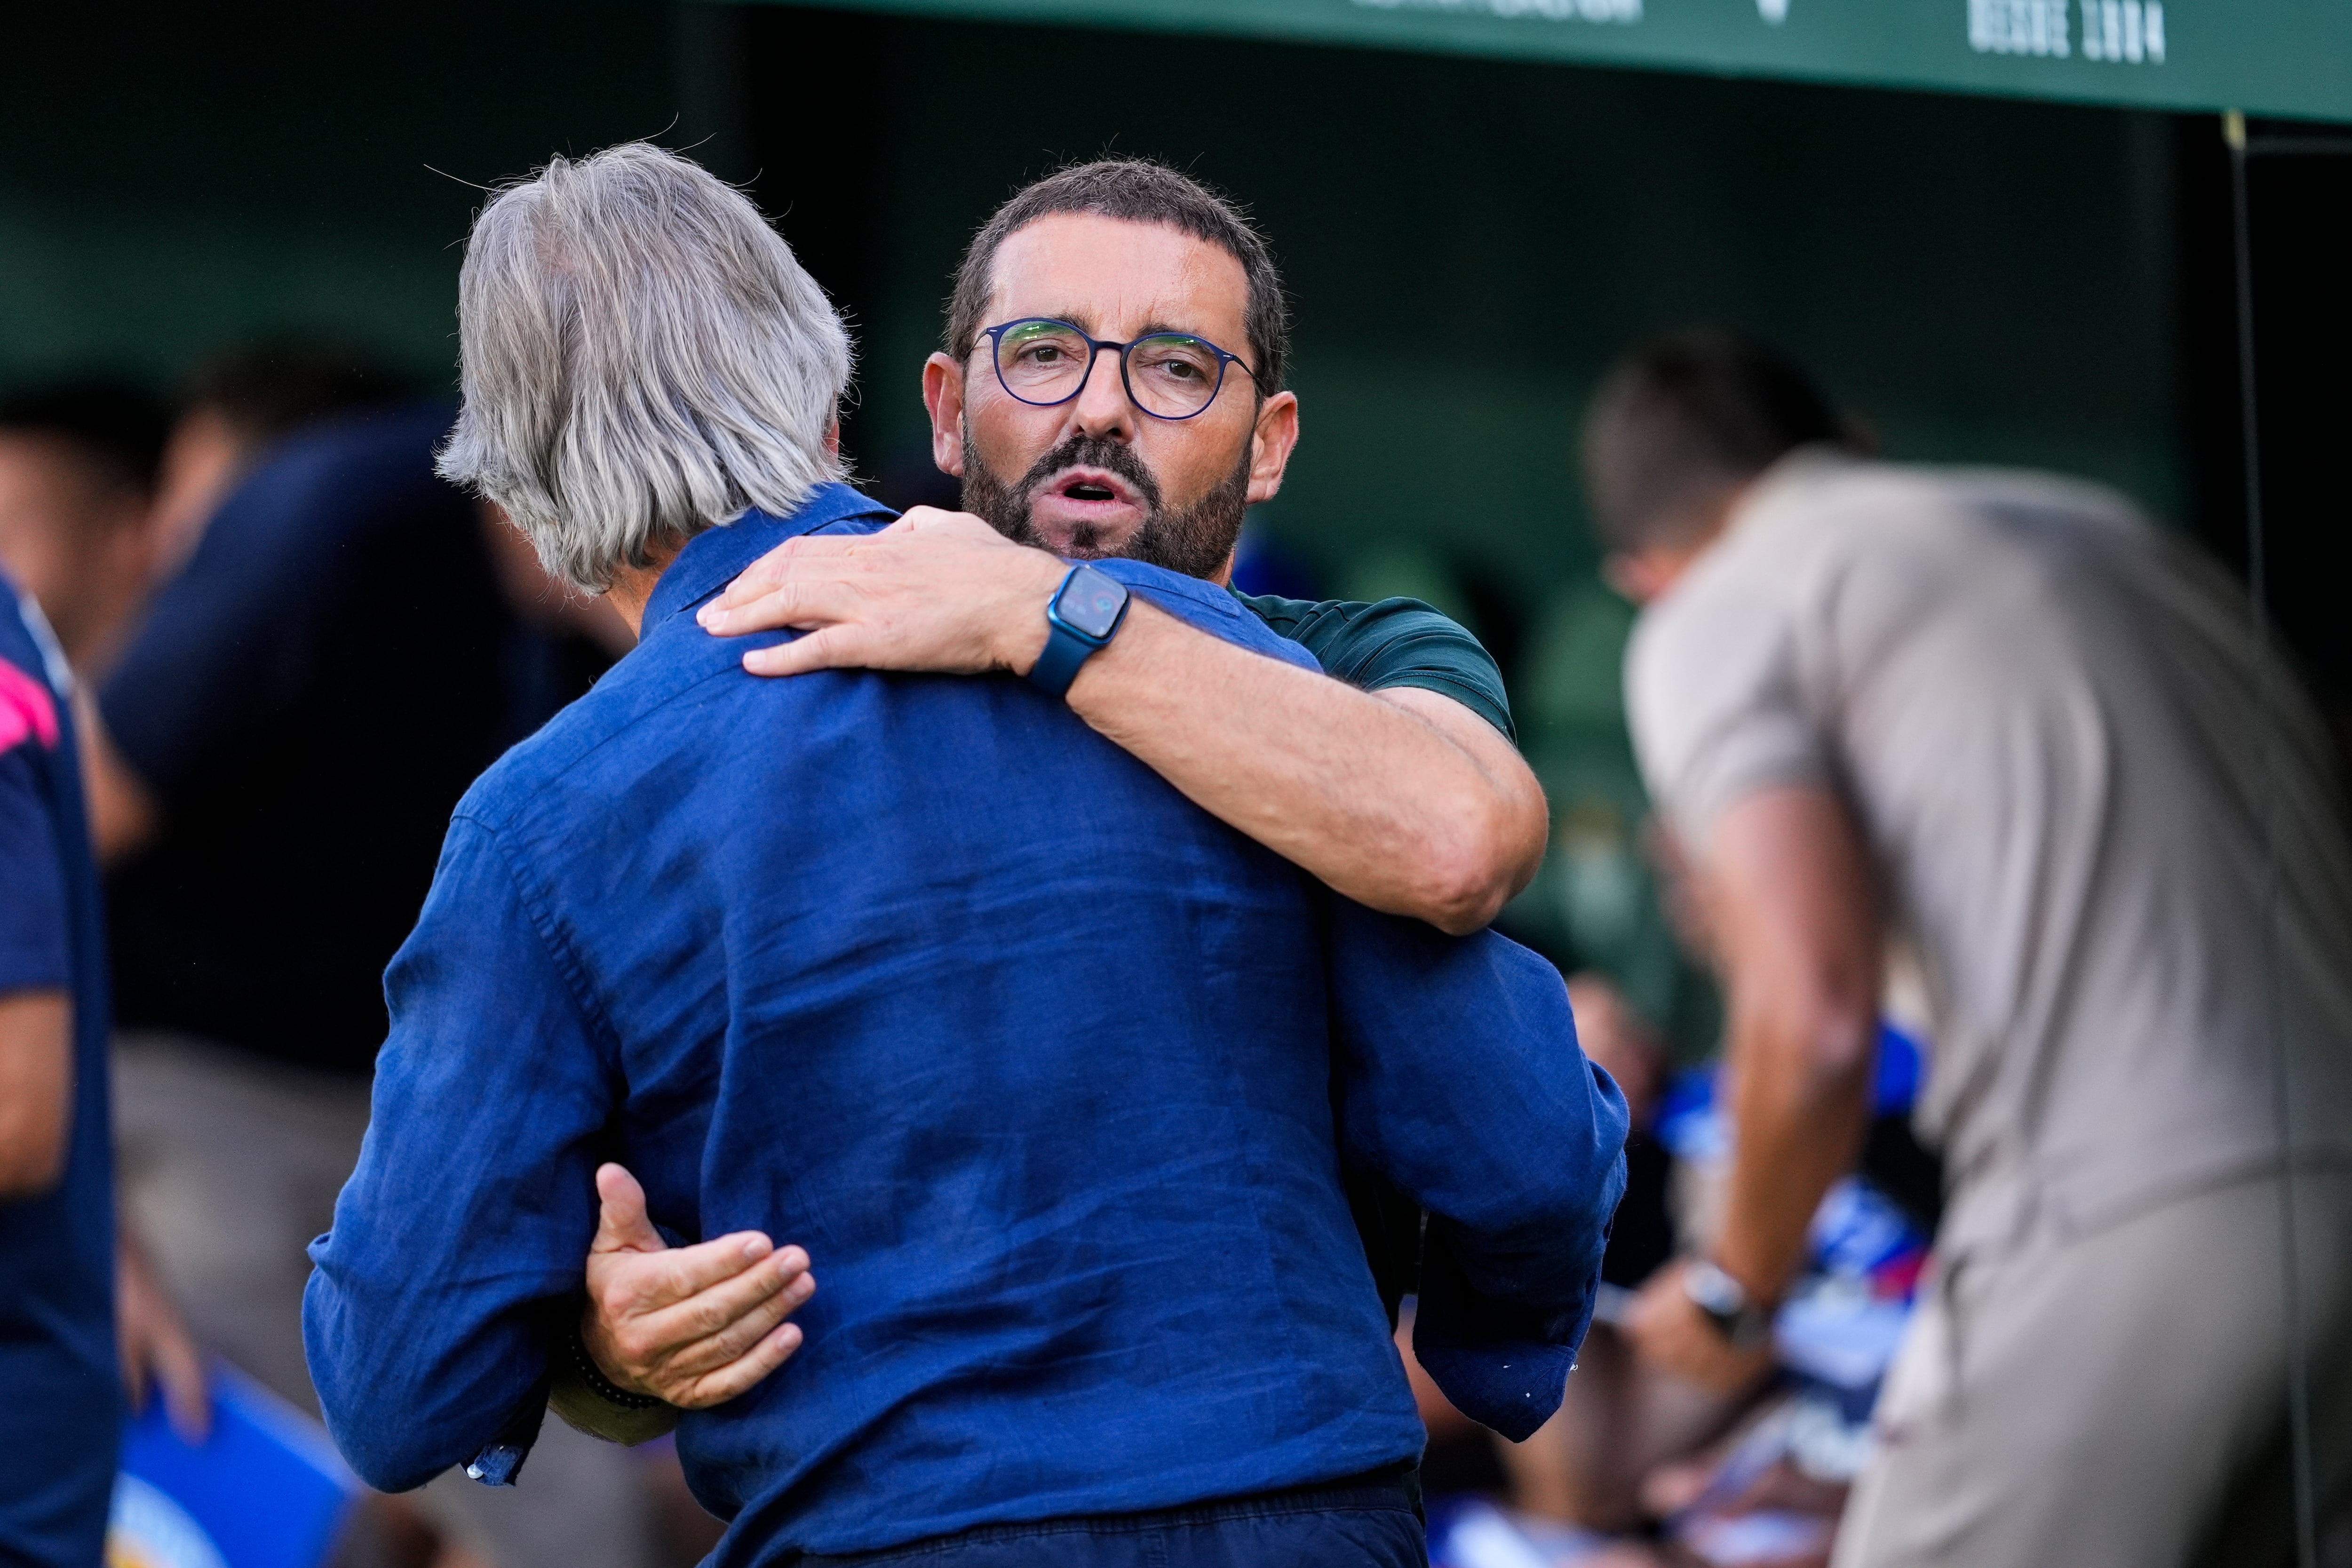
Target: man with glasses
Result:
[[1111, 384], [1042, 1059]]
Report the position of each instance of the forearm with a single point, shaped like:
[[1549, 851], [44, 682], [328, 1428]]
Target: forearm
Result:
[[1801, 1105], [1796, 915], [1375, 800], [123, 813], [35, 1090], [1405, 801]]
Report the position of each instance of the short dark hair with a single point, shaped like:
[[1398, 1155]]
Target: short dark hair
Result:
[[1683, 419], [274, 386], [117, 425], [1134, 190]]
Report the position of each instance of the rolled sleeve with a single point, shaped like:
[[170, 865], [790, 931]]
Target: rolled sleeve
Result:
[[1459, 1078], [467, 1221]]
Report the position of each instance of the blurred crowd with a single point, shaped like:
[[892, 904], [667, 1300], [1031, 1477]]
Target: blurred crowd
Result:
[[294, 647], [276, 715]]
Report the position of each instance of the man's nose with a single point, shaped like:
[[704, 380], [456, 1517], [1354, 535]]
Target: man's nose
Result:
[[1102, 407]]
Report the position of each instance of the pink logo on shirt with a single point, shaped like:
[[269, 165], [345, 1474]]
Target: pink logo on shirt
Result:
[[26, 709]]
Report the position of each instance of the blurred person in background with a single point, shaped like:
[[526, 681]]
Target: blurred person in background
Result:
[[79, 465], [1994, 729], [59, 1388], [272, 763], [240, 403]]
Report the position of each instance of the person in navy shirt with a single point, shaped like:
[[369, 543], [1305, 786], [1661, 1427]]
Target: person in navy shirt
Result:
[[59, 1382], [1041, 1059], [273, 761]]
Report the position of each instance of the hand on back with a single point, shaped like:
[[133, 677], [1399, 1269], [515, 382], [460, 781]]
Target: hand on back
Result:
[[936, 591], [693, 1326]]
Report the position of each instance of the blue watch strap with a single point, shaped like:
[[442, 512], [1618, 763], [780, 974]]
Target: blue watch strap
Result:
[[1058, 664]]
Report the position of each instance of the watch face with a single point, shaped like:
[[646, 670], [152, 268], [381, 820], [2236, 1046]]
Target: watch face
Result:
[[1089, 603]]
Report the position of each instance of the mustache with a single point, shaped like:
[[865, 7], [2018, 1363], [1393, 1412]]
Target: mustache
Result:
[[1091, 452]]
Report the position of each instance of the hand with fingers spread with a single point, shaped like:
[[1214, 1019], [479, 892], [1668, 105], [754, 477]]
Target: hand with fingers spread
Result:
[[936, 591], [692, 1326]]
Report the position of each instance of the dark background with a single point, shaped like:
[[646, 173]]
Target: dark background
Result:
[[1466, 241]]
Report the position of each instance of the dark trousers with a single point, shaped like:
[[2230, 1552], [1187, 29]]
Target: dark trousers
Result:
[[1370, 1522]]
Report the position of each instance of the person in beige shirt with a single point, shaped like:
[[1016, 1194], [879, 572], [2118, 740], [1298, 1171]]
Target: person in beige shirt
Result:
[[1991, 739]]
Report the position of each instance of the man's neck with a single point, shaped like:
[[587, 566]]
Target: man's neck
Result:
[[632, 587]]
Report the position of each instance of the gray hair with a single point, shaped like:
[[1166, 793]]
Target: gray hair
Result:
[[642, 358]]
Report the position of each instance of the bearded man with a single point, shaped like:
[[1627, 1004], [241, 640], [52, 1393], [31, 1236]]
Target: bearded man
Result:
[[1390, 776], [1041, 1059]]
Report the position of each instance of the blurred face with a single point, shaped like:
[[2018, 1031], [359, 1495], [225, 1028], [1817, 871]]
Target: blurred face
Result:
[[74, 537], [1096, 476]]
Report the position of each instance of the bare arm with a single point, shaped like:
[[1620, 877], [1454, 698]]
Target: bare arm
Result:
[[1797, 913], [35, 1090], [123, 813], [1793, 911], [1405, 801]]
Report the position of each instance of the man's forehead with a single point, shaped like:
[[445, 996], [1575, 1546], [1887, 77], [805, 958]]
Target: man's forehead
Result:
[[1116, 278]]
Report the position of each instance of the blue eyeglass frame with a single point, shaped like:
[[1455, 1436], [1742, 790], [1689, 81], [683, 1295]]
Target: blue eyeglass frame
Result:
[[1095, 346]]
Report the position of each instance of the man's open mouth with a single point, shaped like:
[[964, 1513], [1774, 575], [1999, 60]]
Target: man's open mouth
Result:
[[1089, 486]]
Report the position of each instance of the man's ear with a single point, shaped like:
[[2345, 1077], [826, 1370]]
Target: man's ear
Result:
[[1644, 574], [1636, 575], [832, 437], [943, 399], [1272, 440]]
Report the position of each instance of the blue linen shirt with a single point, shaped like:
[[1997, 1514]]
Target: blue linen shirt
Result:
[[1038, 1060], [59, 1385]]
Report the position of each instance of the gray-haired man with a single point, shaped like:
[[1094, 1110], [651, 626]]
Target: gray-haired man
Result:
[[1044, 1057], [1395, 783]]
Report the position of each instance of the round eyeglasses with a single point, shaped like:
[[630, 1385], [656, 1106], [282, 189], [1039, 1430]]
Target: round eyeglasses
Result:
[[1168, 375]]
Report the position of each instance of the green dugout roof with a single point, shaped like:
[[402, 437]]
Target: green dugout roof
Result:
[[2291, 58]]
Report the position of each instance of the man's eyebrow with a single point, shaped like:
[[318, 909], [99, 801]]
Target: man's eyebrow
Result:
[[1082, 319]]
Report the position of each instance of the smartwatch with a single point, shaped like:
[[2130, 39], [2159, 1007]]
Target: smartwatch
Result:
[[1080, 618], [1743, 1323]]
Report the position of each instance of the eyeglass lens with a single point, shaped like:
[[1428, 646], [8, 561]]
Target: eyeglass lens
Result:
[[1168, 373]]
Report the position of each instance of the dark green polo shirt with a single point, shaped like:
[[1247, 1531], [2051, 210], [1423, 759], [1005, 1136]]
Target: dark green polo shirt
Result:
[[1396, 642]]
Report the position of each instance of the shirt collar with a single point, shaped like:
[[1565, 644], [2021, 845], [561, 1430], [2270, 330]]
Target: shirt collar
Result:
[[716, 556]]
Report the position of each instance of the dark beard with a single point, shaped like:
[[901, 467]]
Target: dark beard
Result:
[[1196, 541]]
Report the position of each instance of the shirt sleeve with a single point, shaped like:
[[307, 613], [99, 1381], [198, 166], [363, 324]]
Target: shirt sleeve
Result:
[[1714, 697], [1459, 1078], [35, 951], [1394, 643], [466, 1223]]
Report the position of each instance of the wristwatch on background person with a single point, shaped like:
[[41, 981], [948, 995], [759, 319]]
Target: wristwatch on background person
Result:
[[1743, 1323], [1080, 618]]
